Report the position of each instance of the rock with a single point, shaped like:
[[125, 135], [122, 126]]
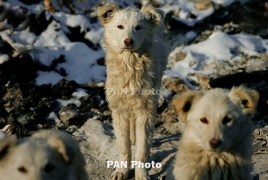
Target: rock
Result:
[[26, 119], [37, 93], [64, 89], [43, 108], [176, 55], [18, 69], [68, 112], [101, 61], [203, 4], [257, 146], [175, 84]]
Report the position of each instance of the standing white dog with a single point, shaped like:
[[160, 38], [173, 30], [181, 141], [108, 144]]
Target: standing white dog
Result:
[[135, 58], [217, 141]]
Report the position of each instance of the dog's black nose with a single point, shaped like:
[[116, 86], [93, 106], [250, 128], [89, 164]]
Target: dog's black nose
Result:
[[215, 143], [128, 42]]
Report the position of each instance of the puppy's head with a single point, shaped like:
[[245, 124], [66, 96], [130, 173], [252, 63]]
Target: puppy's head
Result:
[[217, 119], [35, 159], [127, 29]]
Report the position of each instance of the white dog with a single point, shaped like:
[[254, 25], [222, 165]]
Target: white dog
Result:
[[48, 155], [217, 141], [136, 58]]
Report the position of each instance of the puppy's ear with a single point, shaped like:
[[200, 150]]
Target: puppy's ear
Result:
[[154, 15], [67, 152], [184, 102], [6, 144], [106, 12], [247, 99]]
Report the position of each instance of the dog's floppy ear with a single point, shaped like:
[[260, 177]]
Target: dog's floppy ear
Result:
[[154, 15], [184, 102], [247, 99], [6, 144], [106, 12], [67, 152]]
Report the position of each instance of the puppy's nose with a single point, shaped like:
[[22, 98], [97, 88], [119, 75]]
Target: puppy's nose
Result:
[[128, 42], [215, 143]]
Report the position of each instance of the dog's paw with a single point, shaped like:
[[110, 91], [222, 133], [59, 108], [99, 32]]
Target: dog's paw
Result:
[[141, 174], [119, 174]]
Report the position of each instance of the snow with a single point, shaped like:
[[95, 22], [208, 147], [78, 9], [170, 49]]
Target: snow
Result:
[[190, 35], [36, 8], [73, 21], [53, 116], [47, 78], [219, 47], [95, 35], [3, 58], [75, 98], [183, 8], [80, 61], [24, 37]]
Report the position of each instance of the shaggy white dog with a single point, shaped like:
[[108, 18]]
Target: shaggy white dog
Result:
[[217, 141], [136, 58], [48, 155]]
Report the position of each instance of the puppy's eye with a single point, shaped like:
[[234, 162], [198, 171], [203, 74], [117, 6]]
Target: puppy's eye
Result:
[[138, 28], [204, 120], [22, 169], [226, 120], [49, 167], [120, 27]]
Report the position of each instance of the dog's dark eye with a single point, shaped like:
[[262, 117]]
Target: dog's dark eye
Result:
[[22, 169], [204, 120], [226, 120], [138, 28], [120, 27], [49, 167]]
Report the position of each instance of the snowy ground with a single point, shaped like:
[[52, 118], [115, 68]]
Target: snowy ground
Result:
[[218, 55]]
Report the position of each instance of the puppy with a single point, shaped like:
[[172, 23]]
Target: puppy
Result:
[[217, 141], [48, 155]]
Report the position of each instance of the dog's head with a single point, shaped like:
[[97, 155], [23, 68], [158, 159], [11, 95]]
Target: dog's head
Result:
[[35, 159], [218, 118], [127, 29]]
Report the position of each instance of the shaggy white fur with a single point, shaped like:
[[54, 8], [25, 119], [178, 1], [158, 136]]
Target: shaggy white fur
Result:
[[217, 141], [136, 58], [48, 155]]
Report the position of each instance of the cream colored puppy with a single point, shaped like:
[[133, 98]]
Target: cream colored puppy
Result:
[[135, 58], [217, 141], [48, 155]]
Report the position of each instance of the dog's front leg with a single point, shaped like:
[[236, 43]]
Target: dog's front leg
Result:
[[122, 134], [144, 136]]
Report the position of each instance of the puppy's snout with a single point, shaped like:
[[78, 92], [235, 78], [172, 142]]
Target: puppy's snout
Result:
[[215, 143], [128, 42]]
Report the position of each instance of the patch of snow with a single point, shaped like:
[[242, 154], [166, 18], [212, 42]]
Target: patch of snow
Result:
[[3, 58], [75, 98], [73, 21], [79, 93], [52, 36], [23, 37], [95, 35], [190, 35], [183, 8], [47, 78], [219, 47], [53, 116]]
